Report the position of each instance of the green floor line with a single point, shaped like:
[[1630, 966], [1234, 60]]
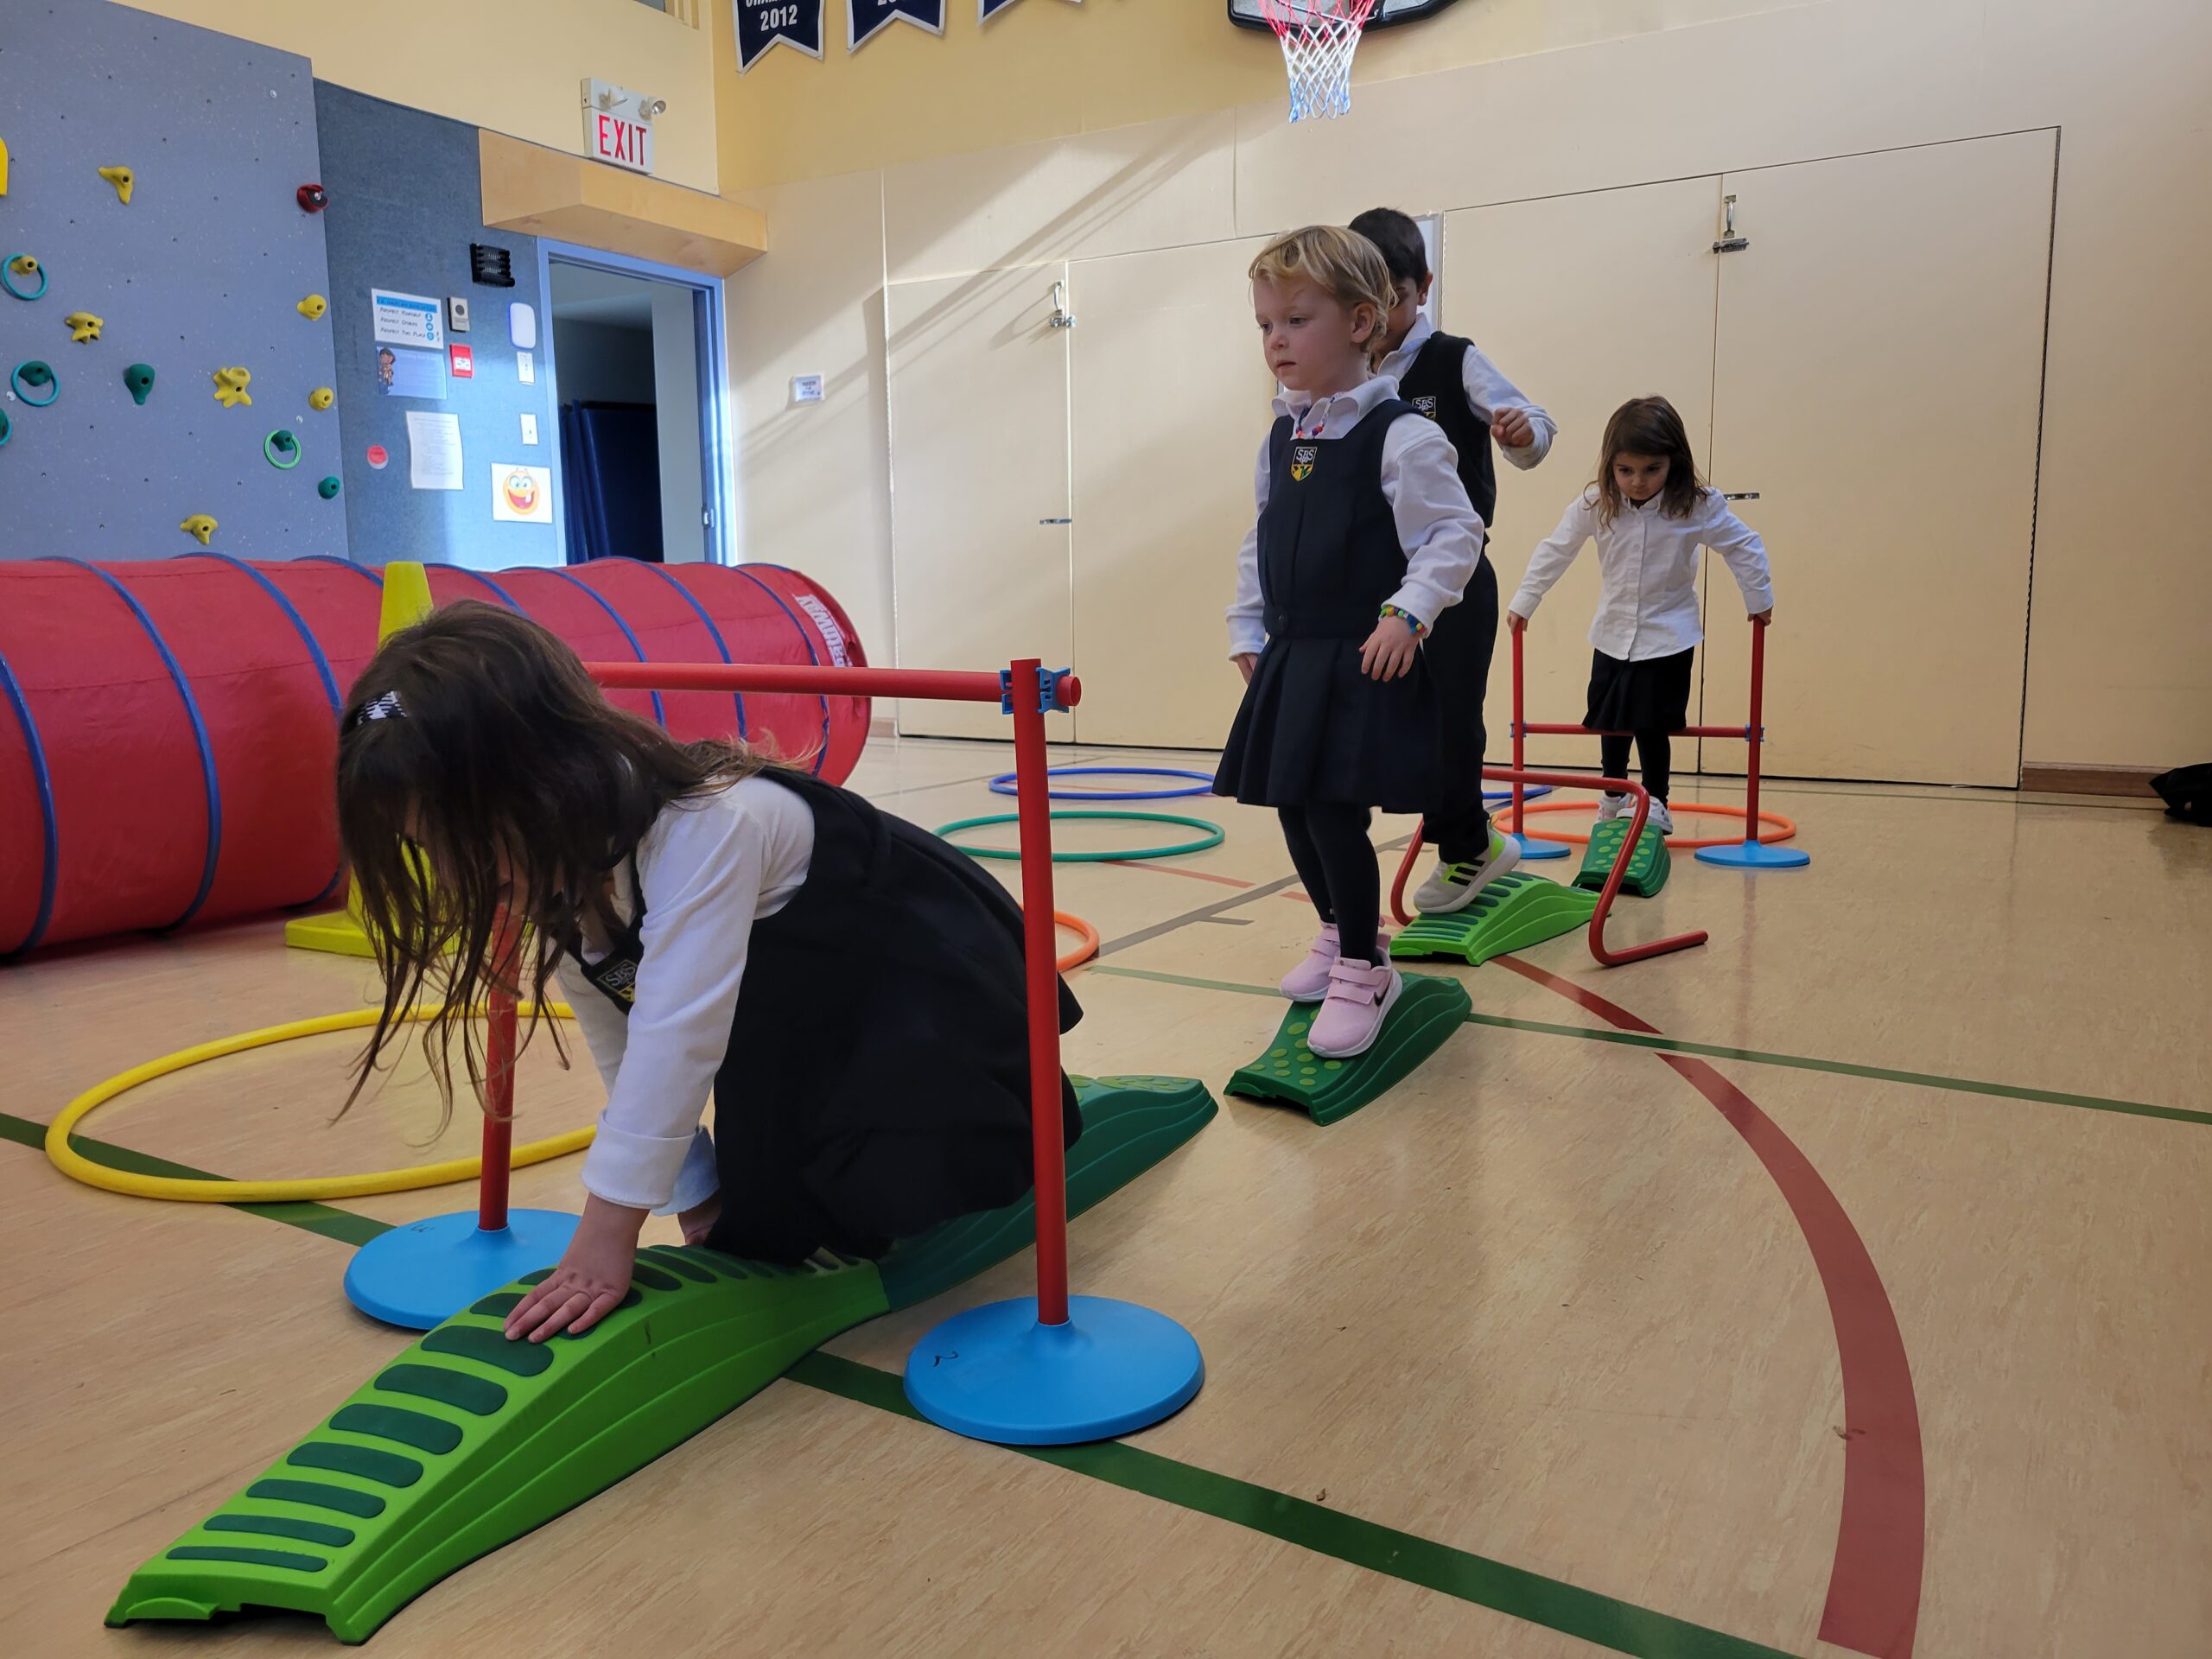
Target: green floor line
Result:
[[1512, 1591], [1750, 1056], [341, 1224]]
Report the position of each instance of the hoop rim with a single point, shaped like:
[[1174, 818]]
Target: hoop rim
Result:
[[1245, 13]]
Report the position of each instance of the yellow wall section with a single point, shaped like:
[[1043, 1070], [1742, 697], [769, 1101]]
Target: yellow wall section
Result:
[[2117, 675], [513, 68]]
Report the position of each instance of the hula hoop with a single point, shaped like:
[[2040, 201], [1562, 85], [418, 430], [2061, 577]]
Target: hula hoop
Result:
[[1004, 784], [1213, 837], [1785, 827], [16, 383], [7, 273], [78, 1167], [1533, 792], [1083, 952]]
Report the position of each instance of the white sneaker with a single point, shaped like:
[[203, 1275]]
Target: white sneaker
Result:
[[1452, 887], [1613, 806], [1661, 819]]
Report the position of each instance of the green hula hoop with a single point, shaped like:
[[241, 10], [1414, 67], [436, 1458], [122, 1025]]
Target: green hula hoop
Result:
[[1213, 836]]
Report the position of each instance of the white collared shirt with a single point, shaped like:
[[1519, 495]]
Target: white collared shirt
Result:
[[1646, 563], [712, 865], [1488, 393], [1438, 526]]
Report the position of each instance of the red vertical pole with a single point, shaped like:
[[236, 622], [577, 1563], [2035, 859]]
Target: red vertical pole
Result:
[[1041, 951], [1519, 738], [1756, 736], [499, 1044]]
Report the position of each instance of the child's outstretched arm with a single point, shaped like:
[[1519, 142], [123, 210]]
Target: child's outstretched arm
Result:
[[1439, 530], [1552, 555], [1247, 633], [1523, 430], [1739, 544]]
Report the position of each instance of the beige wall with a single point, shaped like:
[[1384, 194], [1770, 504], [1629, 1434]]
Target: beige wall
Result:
[[512, 66], [2118, 673]]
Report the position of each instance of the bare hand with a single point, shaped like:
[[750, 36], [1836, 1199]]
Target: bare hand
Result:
[[698, 1221], [1246, 661], [1513, 429], [1765, 618], [1390, 650], [592, 1280], [1517, 622]]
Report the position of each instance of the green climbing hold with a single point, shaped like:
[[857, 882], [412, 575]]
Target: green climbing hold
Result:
[[139, 376], [327, 489], [1428, 1010], [1514, 911], [282, 448], [1648, 866], [578, 1416]]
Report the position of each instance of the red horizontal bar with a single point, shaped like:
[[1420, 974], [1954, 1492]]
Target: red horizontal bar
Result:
[[931, 685], [1534, 728]]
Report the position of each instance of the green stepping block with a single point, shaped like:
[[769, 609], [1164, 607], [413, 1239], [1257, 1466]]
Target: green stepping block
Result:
[[1517, 909], [465, 1441], [1648, 866], [1428, 1010]]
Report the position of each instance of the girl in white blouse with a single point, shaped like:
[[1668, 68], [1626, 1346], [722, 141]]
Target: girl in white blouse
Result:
[[1649, 513]]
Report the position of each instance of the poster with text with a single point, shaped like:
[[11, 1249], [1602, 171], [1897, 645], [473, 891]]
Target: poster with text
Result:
[[407, 319], [404, 373]]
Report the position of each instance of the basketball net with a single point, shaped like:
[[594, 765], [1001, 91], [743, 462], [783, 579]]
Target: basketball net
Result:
[[1319, 38]]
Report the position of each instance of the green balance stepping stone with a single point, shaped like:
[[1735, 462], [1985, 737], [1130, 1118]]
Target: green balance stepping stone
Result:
[[465, 1442], [1648, 866], [1428, 1010], [1515, 911]]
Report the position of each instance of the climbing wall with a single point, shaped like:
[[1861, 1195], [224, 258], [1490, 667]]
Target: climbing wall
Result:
[[202, 270]]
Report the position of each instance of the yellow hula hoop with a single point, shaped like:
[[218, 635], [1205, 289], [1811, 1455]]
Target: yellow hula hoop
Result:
[[77, 1167]]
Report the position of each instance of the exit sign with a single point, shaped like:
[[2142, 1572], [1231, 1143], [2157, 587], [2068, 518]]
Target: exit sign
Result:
[[617, 128]]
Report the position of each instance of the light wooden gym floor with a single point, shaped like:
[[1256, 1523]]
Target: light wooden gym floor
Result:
[[1869, 1244]]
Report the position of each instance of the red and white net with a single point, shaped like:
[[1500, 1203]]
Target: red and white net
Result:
[[1319, 38]]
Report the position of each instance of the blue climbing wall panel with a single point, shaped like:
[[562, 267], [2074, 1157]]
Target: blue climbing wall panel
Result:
[[202, 270]]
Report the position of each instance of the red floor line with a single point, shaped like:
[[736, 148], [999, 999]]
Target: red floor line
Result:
[[1874, 1602]]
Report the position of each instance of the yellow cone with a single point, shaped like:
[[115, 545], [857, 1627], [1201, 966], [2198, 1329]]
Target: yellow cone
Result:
[[406, 601]]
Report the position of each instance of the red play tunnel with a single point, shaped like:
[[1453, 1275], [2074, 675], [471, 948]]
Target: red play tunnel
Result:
[[168, 727]]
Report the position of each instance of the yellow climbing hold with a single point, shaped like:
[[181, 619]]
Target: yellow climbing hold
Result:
[[199, 526], [321, 398], [24, 266], [122, 178], [313, 306], [230, 387], [4, 166], [83, 326]]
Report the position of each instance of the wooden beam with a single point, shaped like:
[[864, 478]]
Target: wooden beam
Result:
[[550, 192]]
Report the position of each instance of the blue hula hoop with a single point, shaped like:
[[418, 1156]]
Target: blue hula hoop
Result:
[[1004, 784], [1529, 793]]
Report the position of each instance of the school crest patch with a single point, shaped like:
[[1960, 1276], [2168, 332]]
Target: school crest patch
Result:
[[1427, 406], [1302, 457]]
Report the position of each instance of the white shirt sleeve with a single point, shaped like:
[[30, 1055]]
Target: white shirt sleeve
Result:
[[707, 868], [1739, 544], [1549, 561], [1489, 391], [1247, 633], [1438, 526]]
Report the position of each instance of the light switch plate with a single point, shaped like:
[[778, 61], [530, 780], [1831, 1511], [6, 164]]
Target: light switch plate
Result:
[[529, 429]]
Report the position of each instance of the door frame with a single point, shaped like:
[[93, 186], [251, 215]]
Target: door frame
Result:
[[717, 469]]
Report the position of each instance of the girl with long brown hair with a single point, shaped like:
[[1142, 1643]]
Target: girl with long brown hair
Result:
[[847, 987], [1648, 512]]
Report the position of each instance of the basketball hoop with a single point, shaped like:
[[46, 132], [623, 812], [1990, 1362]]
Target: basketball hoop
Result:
[[1319, 38]]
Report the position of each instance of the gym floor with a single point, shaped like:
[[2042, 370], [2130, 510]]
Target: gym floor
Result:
[[1837, 1287]]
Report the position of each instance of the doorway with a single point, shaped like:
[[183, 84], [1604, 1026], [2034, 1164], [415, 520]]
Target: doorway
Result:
[[637, 387]]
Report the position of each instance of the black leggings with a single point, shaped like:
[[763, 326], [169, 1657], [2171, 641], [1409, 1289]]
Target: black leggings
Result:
[[1335, 860], [1655, 749]]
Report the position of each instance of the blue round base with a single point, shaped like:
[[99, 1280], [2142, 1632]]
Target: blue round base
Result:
[[1531, 792], [994, 1374], [1754, 856], [1531, 847], [422, 1274]]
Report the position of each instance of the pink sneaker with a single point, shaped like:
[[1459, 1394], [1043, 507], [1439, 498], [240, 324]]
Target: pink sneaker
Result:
[[1360, 995], [1309, 981]]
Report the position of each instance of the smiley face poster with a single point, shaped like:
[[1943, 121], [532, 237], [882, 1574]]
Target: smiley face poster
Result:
[[522, 495]]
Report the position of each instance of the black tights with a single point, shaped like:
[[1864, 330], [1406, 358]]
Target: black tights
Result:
[[1653, 748], [1335, 860]]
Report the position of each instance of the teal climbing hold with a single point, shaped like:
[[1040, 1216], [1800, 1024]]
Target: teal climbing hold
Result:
[[282, 448], [1517, 909], [328, 488], [1290, 1073], [1648, 866], [139, 377]]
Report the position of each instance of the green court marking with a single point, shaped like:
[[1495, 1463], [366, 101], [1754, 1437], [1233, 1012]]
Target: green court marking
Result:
[[1512, 1591], [1750, 1056], [340, 1224]]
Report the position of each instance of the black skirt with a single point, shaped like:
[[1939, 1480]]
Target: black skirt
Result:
[[1653, 695], [1314, 727]]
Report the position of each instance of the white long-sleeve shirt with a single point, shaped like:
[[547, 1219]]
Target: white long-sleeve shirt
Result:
[[1647, 563], [1438, 526], [711, 866], [1488, 392]]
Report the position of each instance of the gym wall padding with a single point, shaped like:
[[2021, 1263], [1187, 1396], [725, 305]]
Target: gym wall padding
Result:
[[203, 269], [167, 729]]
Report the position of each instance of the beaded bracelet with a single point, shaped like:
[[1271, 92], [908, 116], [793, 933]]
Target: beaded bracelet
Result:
[[1419, 627]]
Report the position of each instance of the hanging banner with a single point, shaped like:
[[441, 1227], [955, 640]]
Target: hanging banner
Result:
[[864, 18], [987, 9], [761, 23]]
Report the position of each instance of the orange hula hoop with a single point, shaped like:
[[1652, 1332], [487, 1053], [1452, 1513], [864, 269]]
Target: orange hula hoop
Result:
[[1784, 828]]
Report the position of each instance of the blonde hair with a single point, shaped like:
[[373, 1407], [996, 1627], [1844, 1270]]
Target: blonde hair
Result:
[[1342, 263]]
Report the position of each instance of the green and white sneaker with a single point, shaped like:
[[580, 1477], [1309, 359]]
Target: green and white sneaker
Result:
[[1454, 886]]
